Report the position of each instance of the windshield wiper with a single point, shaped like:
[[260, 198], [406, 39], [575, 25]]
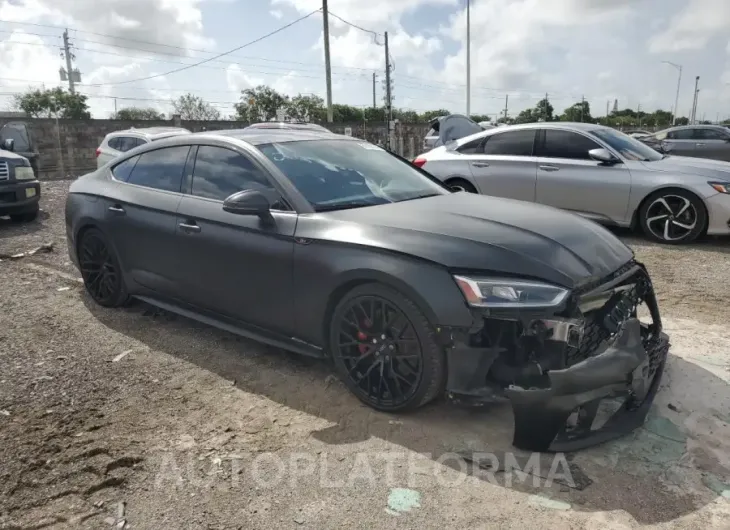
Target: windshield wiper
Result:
[[420, 197], [344, 206]]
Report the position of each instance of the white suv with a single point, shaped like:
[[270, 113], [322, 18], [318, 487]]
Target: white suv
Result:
[[118, 142]]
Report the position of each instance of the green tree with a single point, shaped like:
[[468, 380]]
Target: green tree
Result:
[[431, 114], [544, 110], [137, 113], [480, 117], [375, 115], [346, 113], [580, 111], [190, 107], [406, 116], [53, 103], [311, 107], [260, 104]]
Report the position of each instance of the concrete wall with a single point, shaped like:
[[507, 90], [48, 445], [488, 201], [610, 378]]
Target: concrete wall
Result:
[[68, 147]]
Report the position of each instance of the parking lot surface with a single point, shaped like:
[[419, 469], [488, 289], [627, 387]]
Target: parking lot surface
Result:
[[135, 418]]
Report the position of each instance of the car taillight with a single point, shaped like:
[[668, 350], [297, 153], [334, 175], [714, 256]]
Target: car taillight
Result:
[[98, 152], [419, 162]]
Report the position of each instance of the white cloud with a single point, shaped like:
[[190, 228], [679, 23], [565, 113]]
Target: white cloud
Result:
[[276, 13], [238, 80], [693, 27]]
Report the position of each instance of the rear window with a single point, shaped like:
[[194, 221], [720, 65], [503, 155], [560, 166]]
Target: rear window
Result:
[[122, 170]]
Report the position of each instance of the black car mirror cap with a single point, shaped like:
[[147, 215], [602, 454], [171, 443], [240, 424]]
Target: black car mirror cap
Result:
[[248, 202], [603, 155], [9, 144]]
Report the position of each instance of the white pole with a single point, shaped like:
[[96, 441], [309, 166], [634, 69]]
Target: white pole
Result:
[[468, 59]]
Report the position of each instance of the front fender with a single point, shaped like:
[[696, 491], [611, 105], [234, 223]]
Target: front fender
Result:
[[323, 273]]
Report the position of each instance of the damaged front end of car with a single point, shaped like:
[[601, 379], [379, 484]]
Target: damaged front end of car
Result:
[[579, 367]]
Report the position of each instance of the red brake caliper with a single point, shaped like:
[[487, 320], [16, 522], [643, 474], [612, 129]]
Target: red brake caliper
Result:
[[362, 336]]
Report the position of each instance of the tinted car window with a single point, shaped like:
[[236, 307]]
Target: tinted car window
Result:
[[19, 134], [221, 172], [472, 147], [123, 170], [128, 143], [514, 143], [681, 134], [161, 169], [709, 134], [115, 143], [566, 144]]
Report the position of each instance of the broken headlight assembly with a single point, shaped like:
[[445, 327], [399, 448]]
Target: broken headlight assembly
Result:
[[506, 293]]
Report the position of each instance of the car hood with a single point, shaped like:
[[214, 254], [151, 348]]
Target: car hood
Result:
[[703, 167], [10, 155], [473, 233]]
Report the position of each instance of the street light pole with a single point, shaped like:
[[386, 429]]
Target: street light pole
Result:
[[468, 59], [676, 98]]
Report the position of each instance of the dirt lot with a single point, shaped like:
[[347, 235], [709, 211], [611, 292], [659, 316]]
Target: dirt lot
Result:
[[138, 419]]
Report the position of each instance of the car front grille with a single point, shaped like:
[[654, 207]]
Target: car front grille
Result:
[[4, 170], [604, 324]]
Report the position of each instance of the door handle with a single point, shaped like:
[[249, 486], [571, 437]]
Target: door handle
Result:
[[116, 209], [549, 168], [480, 164], [189, 227]]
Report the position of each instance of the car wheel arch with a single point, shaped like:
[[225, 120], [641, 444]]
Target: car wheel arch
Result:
[[635, 221], [458, 178], [356, 278], [89, 224]]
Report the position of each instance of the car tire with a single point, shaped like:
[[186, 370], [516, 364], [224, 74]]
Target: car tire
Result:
[[26, 217], [100, 270], [389, 370], [673, 216], [461, 185]]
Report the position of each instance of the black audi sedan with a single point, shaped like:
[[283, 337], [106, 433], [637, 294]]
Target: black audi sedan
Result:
[[332, 247]]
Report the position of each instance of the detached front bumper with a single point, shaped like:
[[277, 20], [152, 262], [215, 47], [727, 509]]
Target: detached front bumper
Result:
[[614, 376], [627, 370]]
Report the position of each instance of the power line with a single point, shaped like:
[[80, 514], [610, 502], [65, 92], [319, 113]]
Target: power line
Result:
[[375, 33], [215, 56]]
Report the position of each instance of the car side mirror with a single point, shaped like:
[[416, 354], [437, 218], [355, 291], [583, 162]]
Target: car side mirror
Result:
[[602, 155], [9, 144], [248, 202]]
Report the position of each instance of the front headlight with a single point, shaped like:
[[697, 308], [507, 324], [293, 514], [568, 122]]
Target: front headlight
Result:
[[722, 187], [509, 293], [24, 173]]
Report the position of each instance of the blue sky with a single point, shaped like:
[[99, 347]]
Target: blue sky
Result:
[[598, 49]]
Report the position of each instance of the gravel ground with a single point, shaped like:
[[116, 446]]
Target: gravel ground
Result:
[[138, 419]]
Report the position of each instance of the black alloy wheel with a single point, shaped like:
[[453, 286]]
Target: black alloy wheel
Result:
[[384, 349], [673, 217], [100, 270]]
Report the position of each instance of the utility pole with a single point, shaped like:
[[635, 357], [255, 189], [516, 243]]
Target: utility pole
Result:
[[582, 106], [694, 101], [545, 117], [638, 113], [506, 102], [388, 107], [468, 59], [67, 53], [607, 103], [327, 68], [375, 105], [679, 82]]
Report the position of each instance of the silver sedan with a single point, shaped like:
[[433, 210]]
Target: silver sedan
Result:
[[593, 171]]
